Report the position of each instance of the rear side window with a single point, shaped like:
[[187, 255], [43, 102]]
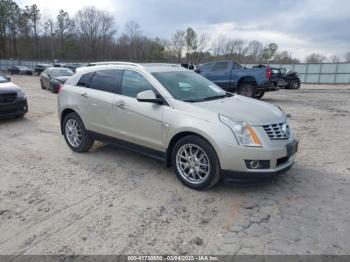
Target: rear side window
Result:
[[107, 80], [221, 66], [85, 80], [134, 83]]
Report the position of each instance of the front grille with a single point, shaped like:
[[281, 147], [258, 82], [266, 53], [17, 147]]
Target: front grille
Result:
[[280, 131], [8, 98]]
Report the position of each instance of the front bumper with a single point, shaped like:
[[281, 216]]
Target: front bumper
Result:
[[16, 108], [230, 176], [234, 161]]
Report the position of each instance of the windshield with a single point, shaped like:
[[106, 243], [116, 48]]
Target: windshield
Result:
[[61, 72], [3, 79], [189, 86]]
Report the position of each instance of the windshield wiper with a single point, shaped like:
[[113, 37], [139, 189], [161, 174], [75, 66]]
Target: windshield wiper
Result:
[[209, 98], [214, 97]]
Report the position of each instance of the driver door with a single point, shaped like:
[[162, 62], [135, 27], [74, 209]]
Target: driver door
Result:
[[141, 121]]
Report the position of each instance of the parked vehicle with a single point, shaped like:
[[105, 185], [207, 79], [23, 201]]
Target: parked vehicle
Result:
[[39, 68], [292, 79], [13, 100], [283, 78], [188, 66], [52, 78], [20, 70], [233, 77], [179, 117], [58, 65], [73, 66]]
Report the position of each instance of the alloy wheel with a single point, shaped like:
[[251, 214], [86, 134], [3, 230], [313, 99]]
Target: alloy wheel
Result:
[[73, 132], [193, 163]]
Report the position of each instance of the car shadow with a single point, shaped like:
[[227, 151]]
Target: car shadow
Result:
[[131, 157]]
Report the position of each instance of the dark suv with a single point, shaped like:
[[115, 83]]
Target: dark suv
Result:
[[13, 100]]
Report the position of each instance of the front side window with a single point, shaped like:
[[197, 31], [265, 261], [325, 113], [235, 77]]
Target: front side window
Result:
[[189, 86], [134, 83]]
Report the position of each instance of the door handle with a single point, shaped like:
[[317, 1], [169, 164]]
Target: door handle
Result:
[[83, 94]]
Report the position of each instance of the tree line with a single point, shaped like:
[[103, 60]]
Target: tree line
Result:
[[91, 34]]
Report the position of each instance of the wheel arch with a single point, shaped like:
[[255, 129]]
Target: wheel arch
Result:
[[247, 80], [64, 113], [180, 135]]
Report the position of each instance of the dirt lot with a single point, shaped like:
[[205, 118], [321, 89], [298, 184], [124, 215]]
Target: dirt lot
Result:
[[111, 201]]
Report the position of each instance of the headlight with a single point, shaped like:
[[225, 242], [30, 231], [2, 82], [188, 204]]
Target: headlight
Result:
[[21, 94], [243, 132]]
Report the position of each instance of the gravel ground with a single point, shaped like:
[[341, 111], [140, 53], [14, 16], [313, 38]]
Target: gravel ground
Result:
[[111, 201]]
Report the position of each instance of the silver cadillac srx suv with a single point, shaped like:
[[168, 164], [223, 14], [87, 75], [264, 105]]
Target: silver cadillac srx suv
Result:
[[177, 116]]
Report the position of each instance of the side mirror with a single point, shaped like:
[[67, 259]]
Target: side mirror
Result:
[[149, 96]]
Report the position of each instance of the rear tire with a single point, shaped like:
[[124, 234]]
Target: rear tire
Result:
[[259, 94], [246, 90], [195, 163], [75, 134], [294, 84]]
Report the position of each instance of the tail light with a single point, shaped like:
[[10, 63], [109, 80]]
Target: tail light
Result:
[[59, 88], [268, 72]]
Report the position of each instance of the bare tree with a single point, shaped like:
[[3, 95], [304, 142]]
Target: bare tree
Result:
[[133, 30], [178, 43], [93, 25], [315, 58], [254, 50], [334, 59], [219, 46]]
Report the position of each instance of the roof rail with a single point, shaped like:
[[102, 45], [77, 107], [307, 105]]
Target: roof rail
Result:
[[115, 63]]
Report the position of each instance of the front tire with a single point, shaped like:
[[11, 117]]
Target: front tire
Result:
[[246, 90], [259, 94], [195, 163], [75, 134]]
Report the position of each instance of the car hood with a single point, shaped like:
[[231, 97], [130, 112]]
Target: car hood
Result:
[[240, 108], [8, 87], [62, 79]]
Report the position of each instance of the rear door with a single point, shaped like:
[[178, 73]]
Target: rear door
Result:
[[99, 97], [141, 121]]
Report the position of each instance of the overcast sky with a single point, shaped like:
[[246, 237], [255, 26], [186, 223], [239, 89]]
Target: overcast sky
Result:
[[299, 26]]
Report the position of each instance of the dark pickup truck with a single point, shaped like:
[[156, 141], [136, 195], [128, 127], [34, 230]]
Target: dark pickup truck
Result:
[[233, 77]]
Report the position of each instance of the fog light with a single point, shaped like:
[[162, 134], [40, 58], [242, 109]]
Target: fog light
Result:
[[254, 164], [257, 164]]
